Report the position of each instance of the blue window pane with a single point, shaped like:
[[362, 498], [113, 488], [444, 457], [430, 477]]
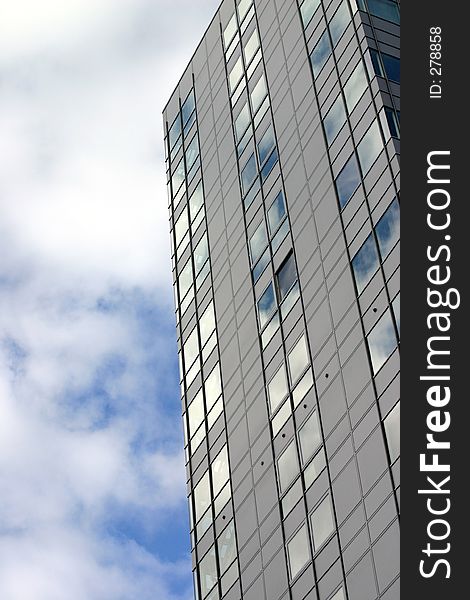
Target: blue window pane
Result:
[[258, 243], [385, 9], [365, 263], [192, 152], [175, 132], [249, 173], [382, 341], [308, 9], [286, 277], [276, 212], [370, 147], [392, 67], [392, 122], [320, 54], [188, 107], [265, 145], [348, 181], [266, 305], [269, 164], [335, 119], [374, 55], [388, 229], [339, 22]]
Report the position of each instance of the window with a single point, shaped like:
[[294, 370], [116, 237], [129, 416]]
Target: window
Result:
[[277, 388], [388, 229], [196, 414], [339, 22], [286, 277], [208, 572], [365, 263], [322, 523], [258, 243], [181, 227], [185, 279], [382, 341], [242, 122], [335, 119], [385, 9], [243, 8], [288, 466], [235, 74], [251, 46], [355, 87], [320, 54], [386, 65], [266, 305], [227, 547], [298, 551], [258, 94], [202, 496], [213, 387], [392, 67], [313, 470], [187, 111], [298, 360], [266, 145], [220, 473], [230, 30], [175, 132], [339, 595], [392, 430], [178, 177], [308, 9], [191, 349], [201, 254], [207, 323], [196, 201], [249, 174], [276, 213], [309, 437], [347, 181], [369, 147], [192, 152], [392, 122]]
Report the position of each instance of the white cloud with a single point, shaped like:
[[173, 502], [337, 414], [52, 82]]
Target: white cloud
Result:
[[91, 466]]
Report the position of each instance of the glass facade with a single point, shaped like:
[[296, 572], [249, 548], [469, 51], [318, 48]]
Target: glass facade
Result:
[[282, 145]]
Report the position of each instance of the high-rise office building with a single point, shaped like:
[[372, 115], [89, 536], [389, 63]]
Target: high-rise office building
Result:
[[282, 143]]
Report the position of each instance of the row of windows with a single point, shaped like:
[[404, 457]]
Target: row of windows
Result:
[[385, 9]]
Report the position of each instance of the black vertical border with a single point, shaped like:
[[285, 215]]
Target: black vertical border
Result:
[[428, 125]]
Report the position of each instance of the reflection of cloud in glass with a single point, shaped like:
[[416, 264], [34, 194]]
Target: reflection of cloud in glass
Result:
[[355, 87], [320, 53], [365, 263], [335, 119], [382, 341], [266, 305], [347, 181], [388, 228], [369, 147]]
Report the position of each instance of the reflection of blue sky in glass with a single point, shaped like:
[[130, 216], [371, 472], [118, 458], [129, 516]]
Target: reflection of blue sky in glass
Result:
[[258, 243], [266, 305], [388, 229], [320, 53], [347, 181], [276, 212], [382, 341], [365, 263], [265, 145], [249, 173]]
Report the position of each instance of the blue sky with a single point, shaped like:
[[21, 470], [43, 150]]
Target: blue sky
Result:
[[92, 482]]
